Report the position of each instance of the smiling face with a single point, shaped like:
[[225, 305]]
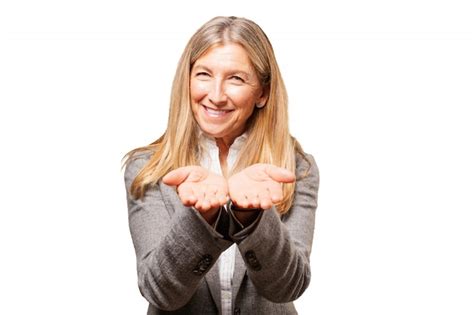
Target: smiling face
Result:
[[224, 91]]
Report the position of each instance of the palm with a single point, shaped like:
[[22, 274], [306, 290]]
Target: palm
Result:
[[258, 186], [198, 187]]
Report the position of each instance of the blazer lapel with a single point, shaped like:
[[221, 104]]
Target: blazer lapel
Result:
[[213, 282], [239, 273]]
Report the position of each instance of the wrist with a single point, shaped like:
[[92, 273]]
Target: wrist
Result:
[[244, 215], [210, 215]]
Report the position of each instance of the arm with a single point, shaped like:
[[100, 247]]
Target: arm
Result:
[[277, 251], [174, 245]]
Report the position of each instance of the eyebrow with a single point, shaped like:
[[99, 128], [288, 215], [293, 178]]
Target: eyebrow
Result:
[[199, 67], [234, 72]]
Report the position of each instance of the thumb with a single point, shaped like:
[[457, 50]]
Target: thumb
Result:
[[280, 174], [177, 176]]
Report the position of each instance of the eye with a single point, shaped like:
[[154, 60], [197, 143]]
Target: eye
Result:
[[202, 73], [237, 78]]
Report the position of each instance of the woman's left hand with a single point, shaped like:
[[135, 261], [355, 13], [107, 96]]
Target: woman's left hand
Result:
[[259, 186], [198, 188]]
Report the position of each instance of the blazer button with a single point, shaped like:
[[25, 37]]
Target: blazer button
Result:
[[203, 265], [207, 258], [252, 260], [250, 255]]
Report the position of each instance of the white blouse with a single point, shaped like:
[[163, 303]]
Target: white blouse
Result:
[[210, 160]]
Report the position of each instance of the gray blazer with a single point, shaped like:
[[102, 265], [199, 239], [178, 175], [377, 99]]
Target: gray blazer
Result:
[[177, 249]]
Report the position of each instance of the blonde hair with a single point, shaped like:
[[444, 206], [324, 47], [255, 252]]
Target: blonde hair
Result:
[[269, 140]]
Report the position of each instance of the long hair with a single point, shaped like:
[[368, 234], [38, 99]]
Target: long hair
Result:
[[269, 139]]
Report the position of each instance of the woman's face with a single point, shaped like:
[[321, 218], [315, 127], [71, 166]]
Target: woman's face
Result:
[[224, 91]]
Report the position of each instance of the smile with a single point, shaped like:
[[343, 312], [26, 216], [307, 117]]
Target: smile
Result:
[[216, 112]]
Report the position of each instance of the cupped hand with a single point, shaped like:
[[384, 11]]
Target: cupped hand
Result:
[[198, 187], [259, 186]]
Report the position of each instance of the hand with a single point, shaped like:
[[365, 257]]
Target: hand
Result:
[[259, 186], [198, 187]]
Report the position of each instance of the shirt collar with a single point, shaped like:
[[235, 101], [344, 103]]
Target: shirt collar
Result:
[[209, 142]]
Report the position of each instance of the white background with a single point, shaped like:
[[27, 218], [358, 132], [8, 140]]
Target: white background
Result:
[[381, 94]]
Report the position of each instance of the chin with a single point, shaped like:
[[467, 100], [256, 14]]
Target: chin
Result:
[[213, 134], [213, 131]]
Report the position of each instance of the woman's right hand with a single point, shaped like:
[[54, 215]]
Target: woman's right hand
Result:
[[198, 188], [259, 186]]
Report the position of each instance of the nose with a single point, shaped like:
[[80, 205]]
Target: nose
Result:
[[217, 95]]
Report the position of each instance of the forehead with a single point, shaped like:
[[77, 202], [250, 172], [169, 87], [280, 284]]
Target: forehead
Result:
[[229, 55]]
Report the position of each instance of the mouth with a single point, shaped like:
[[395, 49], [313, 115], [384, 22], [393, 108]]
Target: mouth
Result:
[[217, 113]]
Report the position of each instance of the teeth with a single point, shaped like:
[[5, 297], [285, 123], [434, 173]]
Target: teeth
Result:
[[215, 113]]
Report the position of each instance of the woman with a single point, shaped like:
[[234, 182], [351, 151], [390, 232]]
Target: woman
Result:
[[219, 221]]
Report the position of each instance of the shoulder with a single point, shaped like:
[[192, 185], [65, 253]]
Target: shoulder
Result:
[[305, 165], [307, 175], [135, 163]]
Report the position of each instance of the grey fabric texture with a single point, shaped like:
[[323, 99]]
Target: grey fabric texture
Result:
[[177, 249]]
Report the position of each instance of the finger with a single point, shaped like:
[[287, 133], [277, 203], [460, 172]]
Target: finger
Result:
[[276, 197], [241, 201], [211, 197], [280, 174], [275, 191], [198, 205], [199, 193], [186, 194], [222, 195], [266, 204], [214, 202], [222, 198], [265, 200], [177, 176], [203, 205], [202, 197], [254, 202]]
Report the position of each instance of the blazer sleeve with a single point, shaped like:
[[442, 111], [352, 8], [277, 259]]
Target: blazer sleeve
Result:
[[174, 245], [277, 251]]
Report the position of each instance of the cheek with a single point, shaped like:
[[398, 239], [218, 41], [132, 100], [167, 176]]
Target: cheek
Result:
[[198, 90], [242, 98]]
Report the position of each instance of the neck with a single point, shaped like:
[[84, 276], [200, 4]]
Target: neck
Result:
[[223, 145]]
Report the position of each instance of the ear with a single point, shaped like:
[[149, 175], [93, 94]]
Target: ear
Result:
[[262, 100]]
